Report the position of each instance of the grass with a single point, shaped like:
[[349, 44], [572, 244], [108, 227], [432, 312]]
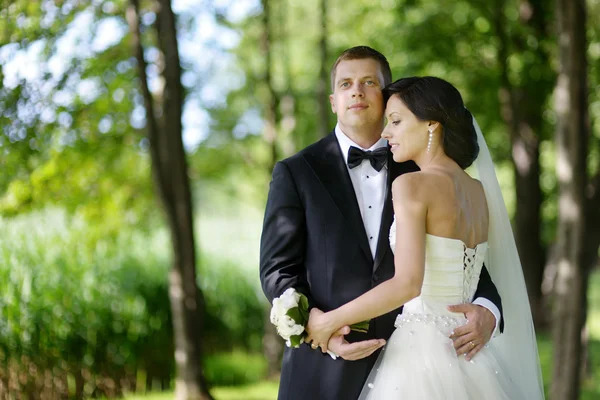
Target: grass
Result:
[[257, 391]]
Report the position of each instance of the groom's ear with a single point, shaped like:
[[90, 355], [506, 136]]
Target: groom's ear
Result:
[[332, 101]]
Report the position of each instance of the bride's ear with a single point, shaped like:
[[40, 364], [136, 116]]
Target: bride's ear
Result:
[[432, 126]]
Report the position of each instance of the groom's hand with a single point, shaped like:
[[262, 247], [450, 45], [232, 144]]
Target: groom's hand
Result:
[[470, 338], [352, 351]]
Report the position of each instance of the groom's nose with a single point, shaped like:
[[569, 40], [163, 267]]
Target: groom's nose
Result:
[[358, 91]]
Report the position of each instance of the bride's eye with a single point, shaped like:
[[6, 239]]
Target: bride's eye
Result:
[[396, 122]]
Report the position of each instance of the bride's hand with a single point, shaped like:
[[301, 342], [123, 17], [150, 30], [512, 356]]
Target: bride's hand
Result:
[[319, 329]]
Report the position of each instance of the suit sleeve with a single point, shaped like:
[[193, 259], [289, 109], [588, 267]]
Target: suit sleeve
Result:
[[283, 239], [487, 290]]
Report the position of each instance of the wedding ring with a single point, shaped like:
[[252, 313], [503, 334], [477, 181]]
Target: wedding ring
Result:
[[314, 346], [472, 344]]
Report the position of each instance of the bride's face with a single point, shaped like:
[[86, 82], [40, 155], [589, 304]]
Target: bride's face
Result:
[[406, 134]]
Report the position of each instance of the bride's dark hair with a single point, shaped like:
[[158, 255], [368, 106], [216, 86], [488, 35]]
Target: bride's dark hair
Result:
[[433, 99]]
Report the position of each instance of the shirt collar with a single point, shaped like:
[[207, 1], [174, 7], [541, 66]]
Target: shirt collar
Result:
[[345, 143]]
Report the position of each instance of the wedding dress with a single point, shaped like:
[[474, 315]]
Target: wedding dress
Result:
[[419, 360]]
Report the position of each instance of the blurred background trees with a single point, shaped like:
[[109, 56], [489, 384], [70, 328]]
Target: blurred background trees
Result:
[[87, 307]]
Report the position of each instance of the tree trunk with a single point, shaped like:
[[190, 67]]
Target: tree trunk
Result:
[[571, 140], [272, 343], [323, 83], [271, 103], [79, 384], [521, 110], [287, 105], [272, 347], [526, 153], [170, 172]]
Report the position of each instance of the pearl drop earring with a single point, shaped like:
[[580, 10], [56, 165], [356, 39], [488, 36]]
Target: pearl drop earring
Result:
[[430, 140]]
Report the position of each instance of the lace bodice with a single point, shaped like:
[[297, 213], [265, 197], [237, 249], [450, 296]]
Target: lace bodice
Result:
[[451, 274]]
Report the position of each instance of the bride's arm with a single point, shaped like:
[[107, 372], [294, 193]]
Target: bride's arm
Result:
[[411, 213]]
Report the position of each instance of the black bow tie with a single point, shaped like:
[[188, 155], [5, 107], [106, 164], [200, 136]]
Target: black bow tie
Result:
[[377, 157]]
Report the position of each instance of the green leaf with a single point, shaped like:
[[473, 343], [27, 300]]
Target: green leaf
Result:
[[305, 315], [303, 307], [295, 314], [362, 327], [303, 303], [296, 340]]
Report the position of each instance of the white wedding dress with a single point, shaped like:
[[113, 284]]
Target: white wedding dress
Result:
[[419, 360]]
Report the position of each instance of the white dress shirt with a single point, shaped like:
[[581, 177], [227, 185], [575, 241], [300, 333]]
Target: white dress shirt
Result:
[[370, 188]]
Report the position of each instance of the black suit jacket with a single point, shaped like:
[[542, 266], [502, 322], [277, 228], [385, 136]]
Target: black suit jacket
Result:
[[314, 240]]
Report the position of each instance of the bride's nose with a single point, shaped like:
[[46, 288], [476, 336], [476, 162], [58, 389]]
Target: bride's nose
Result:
[[385, 134]]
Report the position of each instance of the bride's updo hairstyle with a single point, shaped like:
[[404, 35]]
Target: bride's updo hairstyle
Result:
[[433, 99]]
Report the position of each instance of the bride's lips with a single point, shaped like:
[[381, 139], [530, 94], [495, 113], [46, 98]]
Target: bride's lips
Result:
[[358, 106], [393, 146]]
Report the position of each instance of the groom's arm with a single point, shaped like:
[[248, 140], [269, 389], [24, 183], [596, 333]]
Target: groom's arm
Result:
[[487, 296], [283, 239]]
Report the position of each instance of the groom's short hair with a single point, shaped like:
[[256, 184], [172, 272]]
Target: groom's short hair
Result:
[[361, 53]]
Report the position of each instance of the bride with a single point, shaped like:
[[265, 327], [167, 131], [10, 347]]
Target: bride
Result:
[[447, 225]]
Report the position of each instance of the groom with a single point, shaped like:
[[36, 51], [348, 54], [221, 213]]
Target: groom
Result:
[[326, 229]]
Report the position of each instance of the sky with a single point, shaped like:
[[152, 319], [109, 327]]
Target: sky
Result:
[[205, 47]]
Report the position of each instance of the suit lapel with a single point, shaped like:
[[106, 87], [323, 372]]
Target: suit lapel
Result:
[[328, 164], [394, 170]]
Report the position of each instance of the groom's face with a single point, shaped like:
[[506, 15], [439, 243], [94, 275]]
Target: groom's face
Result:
[[357, 98]]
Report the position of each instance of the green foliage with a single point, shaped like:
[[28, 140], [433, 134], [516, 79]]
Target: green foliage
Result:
[[69, 309], [237, 167], [104, 311], [88, 154], [234, 315], [68, 132], [235, 368]]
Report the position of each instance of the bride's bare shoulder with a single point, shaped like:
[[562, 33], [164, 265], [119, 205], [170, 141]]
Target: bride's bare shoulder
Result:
[[411, 186], [411, 180], [422, 179], [422, 186]]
